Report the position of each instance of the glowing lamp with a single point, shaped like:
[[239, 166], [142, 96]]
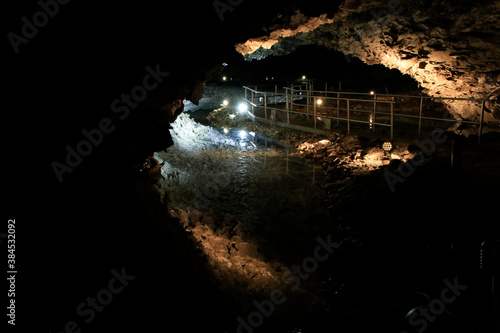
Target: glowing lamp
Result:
[[225, 102], [303, 77], [242, 107], [243, 134], [372, 92], [225, 130], [319, 101], [387, 146]]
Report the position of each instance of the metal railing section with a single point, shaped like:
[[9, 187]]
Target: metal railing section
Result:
[[301, 100]]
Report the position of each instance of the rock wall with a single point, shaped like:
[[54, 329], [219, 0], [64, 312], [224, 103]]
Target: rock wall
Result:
[[452, 48]]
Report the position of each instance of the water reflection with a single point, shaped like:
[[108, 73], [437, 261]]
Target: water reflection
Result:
[[249, 202], [251, 176]]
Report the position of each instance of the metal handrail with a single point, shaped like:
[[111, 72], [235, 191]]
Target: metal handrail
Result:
[[313, 95], [471, 99]]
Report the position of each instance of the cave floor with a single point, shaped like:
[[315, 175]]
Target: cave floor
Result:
[[255, 208]]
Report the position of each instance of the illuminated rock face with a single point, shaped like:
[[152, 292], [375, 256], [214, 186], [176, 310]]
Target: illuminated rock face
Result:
[[452, 48]]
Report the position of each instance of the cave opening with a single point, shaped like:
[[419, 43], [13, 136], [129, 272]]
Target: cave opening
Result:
[[321, 66]]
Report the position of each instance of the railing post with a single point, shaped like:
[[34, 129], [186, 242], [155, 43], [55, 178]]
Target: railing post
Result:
[[287, 108], [314, 101], [265, 105], [348, 118], [420, 116], [310, 93], [392, 121], [246, 90], [307, 101], [291, 98], [373, 113], [338, 108], [481, 122], [307, 93]]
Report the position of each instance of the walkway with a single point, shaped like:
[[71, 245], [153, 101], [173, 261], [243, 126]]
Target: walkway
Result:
[[301, 107]]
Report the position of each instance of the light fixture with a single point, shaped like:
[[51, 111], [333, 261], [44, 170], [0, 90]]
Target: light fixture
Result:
[[303, 77], [224, 78], [225, 102], [319, 101], [243, 134], [387, 146], [372, 92], [225, 130], [242, 107]]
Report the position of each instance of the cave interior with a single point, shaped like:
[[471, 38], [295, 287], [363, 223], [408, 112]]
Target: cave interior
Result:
[[123, 161]]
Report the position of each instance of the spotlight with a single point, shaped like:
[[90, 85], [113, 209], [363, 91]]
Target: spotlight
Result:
[[387, 146], [242, 107], [224, 78], [372, 92], [225, 130], [319, 101], [225, 102], [243, 134], [303, 77]]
